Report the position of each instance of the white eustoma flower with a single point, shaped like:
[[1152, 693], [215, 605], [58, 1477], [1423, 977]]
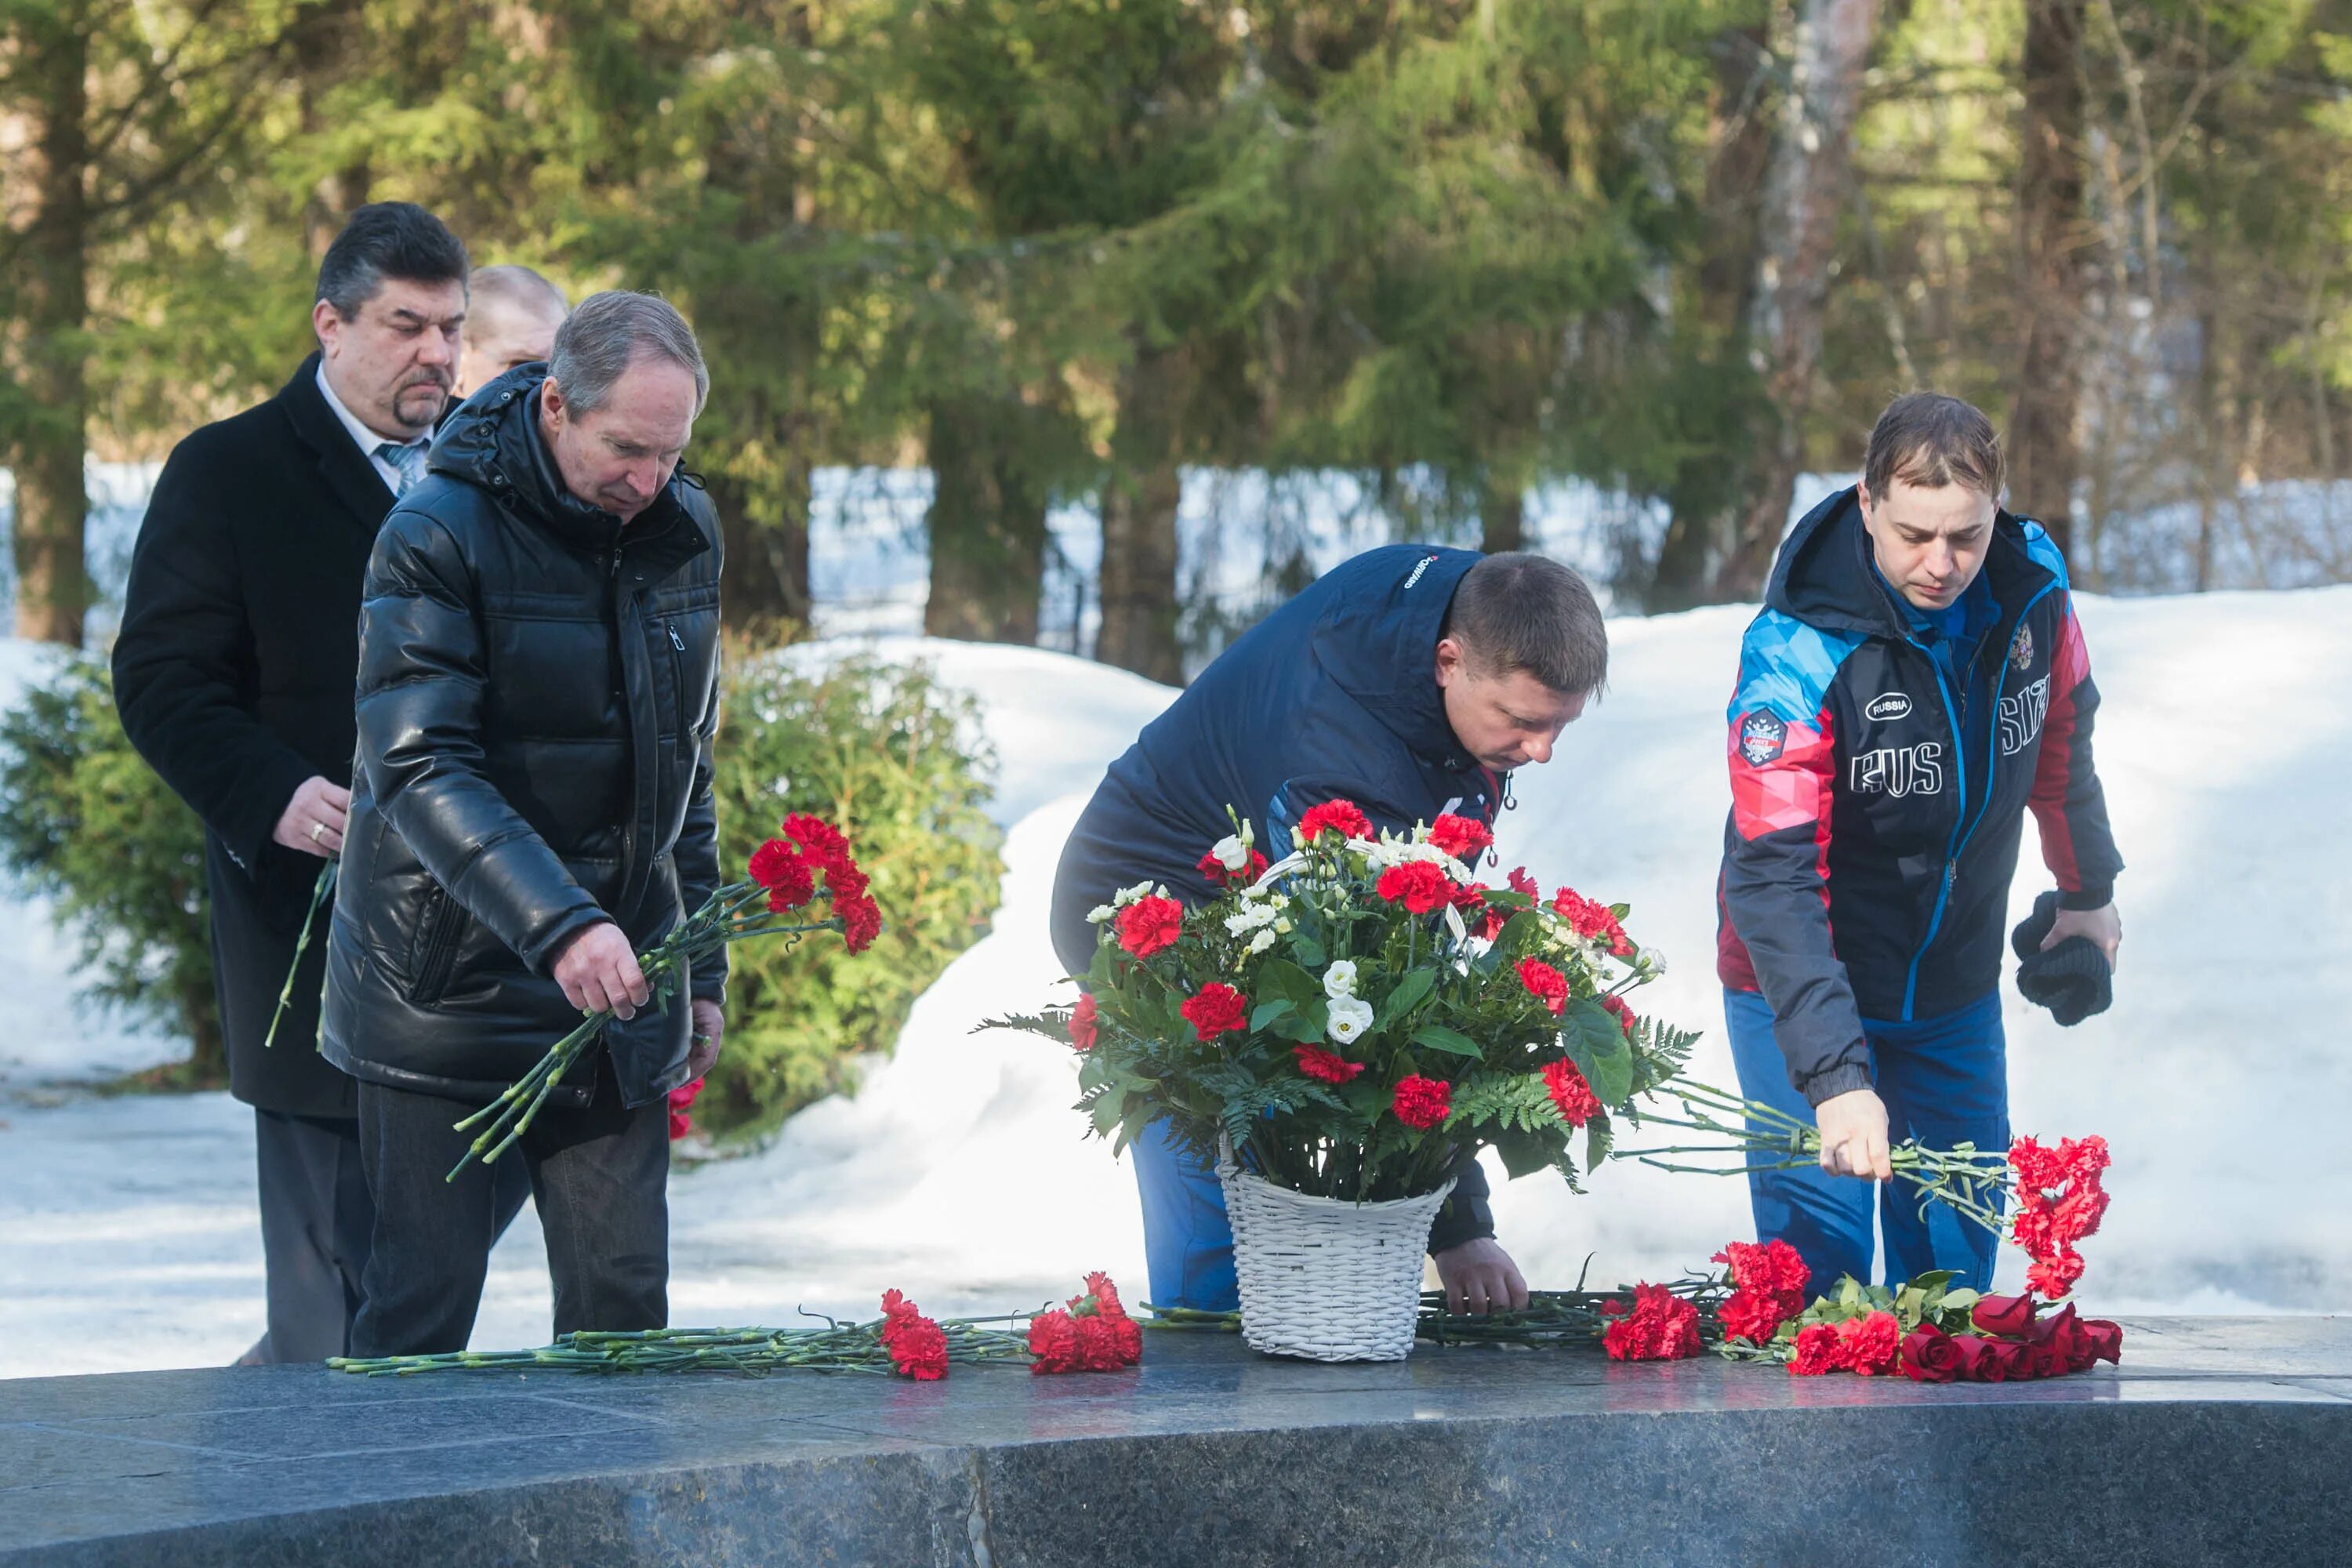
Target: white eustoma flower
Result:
[[1232, 852], [1650, 959], [1250, 917], [1261, 941], [1350, 1017], [1339, 979], [1126, 895], [1101, 914]]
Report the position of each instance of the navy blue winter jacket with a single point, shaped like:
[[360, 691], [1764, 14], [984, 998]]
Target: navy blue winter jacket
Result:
[[1333, 695], [1877, 804]]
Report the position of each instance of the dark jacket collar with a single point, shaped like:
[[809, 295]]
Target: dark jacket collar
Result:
[[493, 442], [1823, 575], [1380, 648], [343, 466]]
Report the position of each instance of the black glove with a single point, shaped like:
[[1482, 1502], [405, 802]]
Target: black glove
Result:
[[2072, 979]]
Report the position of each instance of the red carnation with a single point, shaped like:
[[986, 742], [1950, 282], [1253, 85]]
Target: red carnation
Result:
[[1323, 1066], [1419, 885], [861, 920], [1422, 1102], [1215, 869], [1661, 1327], [1929, 1355], [1464, 837], [2038, 1169], [1819, 1350], [2054, 1275], [918, 1347], [1622, 1012], [681, 1124], [820, 841], [1150, 924], [1217, 1009], [1564, 1081], [1546, 983], [1084, 1027], [1773, 1274], [778, 867], [1745, 1315], [1523, 883], [1593, 921], [1340, 817], [1053, 1342], [1871, 1344]]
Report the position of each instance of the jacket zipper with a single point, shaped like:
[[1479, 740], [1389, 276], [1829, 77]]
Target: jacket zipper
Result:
[[1960, 835], [440, 944]]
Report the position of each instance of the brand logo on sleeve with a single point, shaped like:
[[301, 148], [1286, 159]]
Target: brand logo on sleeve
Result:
[[1888, 705], [1761, 738], [1426, 563]]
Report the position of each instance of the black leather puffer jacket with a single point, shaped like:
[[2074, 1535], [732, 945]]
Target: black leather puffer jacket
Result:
[[538, 691]]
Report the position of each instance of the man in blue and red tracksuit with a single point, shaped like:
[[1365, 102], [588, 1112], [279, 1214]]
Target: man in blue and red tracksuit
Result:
[[1409, 680], [1915, 680]]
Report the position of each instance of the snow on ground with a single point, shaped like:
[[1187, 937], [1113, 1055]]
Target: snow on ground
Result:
[[959, 1171]]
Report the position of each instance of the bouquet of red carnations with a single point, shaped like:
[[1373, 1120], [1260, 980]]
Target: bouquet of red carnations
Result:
[[1354, 1019]]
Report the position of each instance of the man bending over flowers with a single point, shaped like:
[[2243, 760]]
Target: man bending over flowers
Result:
[[1409, 680]]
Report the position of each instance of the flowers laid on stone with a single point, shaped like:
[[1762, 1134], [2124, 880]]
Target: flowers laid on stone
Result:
[[1091, 1333], [810, 861], [1358, 1015]]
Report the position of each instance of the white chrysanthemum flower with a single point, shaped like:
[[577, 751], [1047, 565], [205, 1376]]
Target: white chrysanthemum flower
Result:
[[1232, 852], [1339, 979], [1261, 941], [1350, 1017]]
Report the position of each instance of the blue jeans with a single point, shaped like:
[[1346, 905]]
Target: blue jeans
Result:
[[1188, 1243], [1945, 1080]]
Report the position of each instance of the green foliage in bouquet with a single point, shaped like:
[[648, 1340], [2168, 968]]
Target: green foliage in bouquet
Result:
[[898, 761], [87, 824], [1354, 1018]]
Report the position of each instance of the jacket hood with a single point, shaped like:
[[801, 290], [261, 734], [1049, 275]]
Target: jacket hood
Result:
[[493, 441], [1823, 575], [1383, 651]]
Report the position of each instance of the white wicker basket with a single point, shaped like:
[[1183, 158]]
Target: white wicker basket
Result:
[[1322, 1279]]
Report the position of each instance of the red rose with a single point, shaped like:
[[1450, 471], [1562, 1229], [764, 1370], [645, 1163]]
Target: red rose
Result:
[[778, 867], [1871, 1344], [1624, 1013], [2105, 1340], [1977, 1360], [2015, 1359], [2048, 1359], [1464, 837], [1929, 1355], [1544, 982], [1422, 1102], [1323, 1066], [1150, 924], [1217, 1009], [2003, 1314], [1819, 1350], [1340, 817], [1418, 885], [1084, 1027], [1564, 1081]]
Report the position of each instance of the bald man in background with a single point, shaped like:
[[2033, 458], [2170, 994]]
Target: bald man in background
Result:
[[513, 316]]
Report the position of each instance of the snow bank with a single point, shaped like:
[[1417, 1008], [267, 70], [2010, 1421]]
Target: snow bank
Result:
[[960, 1173]]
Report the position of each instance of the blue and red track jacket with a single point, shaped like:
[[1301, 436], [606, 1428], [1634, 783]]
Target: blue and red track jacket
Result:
[[1877, 806]]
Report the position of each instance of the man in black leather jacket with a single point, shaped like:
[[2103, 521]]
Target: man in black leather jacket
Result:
[[531, 806]]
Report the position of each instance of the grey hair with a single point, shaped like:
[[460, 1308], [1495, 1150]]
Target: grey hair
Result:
[[603, 337]]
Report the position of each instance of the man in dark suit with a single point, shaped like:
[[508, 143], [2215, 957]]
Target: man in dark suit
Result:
[[234, 672]]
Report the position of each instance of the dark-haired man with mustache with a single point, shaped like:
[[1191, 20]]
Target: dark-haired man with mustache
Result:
[[235, 672]]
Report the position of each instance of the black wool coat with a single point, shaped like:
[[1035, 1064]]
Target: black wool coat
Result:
[[233, 672], [538, 695]]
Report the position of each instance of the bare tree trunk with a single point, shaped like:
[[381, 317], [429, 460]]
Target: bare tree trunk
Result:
[[987, 525], [53, 294], [1140, 611], [1502, 515], [764, 582], [1804, 192], [1741, 137], [2044, 448]]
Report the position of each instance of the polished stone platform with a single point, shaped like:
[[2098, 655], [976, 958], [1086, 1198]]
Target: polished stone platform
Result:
[[2217, 1440]]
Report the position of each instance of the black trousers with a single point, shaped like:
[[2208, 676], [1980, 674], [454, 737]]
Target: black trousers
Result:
[[317, 1223], [599, 1174]]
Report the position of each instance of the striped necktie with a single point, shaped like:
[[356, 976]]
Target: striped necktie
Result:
[[408, 456]]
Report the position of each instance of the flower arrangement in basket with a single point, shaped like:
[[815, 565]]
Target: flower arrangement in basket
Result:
[[1339, 1031]]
